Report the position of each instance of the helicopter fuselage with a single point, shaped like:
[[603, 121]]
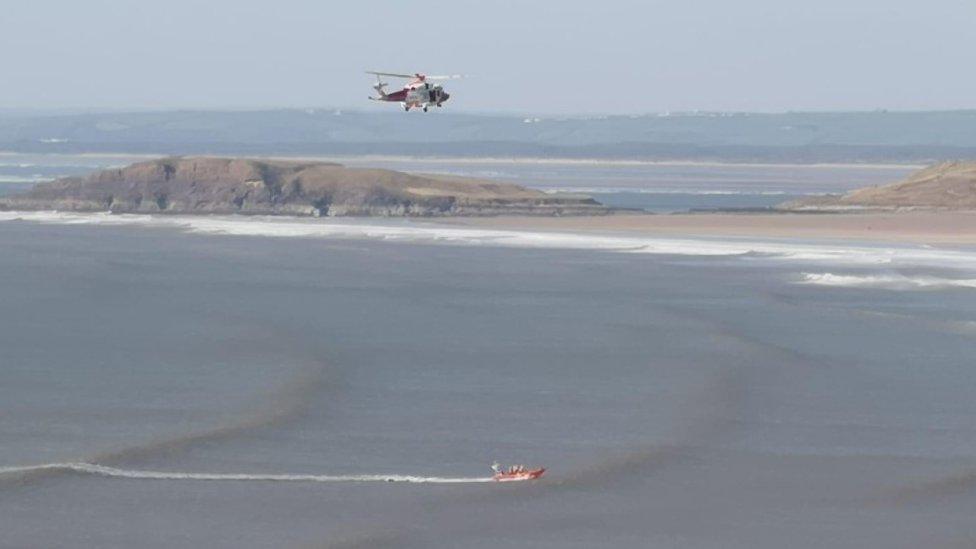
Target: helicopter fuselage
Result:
[[417, 94]]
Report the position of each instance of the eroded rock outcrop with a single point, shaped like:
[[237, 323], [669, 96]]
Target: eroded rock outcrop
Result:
[[206, 185]]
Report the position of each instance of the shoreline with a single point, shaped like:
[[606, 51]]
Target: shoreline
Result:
[[917, 228]]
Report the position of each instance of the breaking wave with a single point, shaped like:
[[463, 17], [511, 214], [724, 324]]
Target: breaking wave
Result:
[[113, 472], [646, 190], [37, 178], [431, 233], [887, 281]]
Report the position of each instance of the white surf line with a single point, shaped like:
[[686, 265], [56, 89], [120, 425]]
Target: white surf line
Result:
[[417, 232], [113, 472], [886, 281]]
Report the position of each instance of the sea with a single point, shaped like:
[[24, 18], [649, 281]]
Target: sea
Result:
[[662, 187], [172, 381]]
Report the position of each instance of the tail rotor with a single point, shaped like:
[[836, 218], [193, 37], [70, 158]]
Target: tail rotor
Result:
[[380, 84]]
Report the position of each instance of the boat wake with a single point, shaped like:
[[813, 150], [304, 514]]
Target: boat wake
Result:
[[113, 472]]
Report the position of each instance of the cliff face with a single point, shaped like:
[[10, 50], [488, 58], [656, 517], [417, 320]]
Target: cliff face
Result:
[[205, 185], [950, 185]]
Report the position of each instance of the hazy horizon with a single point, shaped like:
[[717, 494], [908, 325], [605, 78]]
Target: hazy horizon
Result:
[[544, 57], [83, 110]]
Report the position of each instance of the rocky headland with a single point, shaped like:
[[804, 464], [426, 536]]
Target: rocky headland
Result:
[[945, 186], [208, 185]]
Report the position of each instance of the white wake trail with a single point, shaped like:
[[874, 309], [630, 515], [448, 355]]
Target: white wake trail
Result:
[[113, 472]]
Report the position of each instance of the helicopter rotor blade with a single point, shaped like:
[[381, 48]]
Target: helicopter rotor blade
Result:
[[447, 77], [394, 75]]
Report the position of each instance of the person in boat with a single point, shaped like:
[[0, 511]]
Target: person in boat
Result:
[[496, 467]]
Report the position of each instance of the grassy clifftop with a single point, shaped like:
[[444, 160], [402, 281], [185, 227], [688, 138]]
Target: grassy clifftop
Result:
[[949, 185]]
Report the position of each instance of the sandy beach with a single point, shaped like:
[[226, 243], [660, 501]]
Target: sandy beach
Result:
[[928, 227]]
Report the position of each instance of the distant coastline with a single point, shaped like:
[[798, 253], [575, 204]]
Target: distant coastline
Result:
[[557, 161], [790, 138]]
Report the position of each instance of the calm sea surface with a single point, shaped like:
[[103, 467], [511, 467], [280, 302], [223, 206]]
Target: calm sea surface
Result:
[[700, 394], [666, 187]]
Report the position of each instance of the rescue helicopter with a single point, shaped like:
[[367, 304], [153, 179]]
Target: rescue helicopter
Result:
[[418, 92]]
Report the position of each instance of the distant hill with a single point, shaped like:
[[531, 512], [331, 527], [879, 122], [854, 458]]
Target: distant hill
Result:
[[949, 185], [738, 137], [205, 185]]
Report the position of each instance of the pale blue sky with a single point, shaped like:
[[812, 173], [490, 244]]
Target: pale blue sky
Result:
[[545, 56]]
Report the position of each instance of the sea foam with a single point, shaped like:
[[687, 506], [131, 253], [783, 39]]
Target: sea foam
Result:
[[887, 281], [431, 233], [665, 191], [113, 472]]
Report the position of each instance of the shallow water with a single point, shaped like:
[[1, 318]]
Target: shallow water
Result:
[[665, 187], [679, 398]]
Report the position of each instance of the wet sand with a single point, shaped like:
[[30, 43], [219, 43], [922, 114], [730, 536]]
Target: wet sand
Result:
[[914, 227]]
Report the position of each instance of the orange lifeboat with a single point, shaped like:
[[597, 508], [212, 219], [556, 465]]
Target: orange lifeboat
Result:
[[518, 473]]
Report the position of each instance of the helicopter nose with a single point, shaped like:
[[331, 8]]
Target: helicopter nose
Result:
[[445, 96]]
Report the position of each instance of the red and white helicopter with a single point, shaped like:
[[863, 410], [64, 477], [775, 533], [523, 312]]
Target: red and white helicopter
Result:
[[418, 92]]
